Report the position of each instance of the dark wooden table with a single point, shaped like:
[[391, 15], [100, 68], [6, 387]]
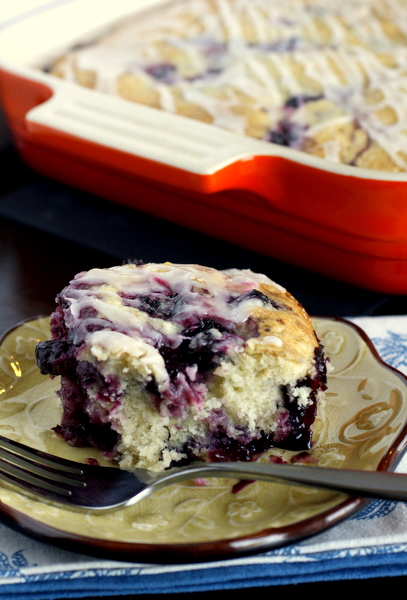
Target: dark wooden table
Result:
[[49, 232]]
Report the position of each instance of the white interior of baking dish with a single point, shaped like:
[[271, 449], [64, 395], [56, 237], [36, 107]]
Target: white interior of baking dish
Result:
[[30, 42]]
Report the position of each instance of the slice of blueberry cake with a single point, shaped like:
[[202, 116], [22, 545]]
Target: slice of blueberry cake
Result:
[[162, 364]]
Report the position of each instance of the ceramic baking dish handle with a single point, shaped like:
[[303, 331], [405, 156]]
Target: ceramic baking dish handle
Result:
[[135, 140], [198, 151]]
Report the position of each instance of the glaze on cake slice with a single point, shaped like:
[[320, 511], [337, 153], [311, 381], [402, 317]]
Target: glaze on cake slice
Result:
[[162, 364]]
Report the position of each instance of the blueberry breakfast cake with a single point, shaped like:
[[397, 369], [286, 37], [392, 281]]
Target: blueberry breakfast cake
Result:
[[327, 77], [161, 364]]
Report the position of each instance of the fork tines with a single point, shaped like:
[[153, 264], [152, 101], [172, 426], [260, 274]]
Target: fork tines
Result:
[[37, 471]]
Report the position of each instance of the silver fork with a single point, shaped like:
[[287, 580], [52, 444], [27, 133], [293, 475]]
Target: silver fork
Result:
[[102, 488]]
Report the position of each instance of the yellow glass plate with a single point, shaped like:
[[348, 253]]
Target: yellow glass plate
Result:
[[362, 425]]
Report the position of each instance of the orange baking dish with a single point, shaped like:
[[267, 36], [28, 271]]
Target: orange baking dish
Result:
[[345, 222]]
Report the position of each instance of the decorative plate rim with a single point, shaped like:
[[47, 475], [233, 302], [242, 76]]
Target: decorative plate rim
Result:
[[207, 551]]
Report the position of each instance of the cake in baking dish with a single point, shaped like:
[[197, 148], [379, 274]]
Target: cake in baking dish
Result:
[[162, 364], [326, 77]]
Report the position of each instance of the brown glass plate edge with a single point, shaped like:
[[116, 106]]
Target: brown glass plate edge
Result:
[[265, 540]]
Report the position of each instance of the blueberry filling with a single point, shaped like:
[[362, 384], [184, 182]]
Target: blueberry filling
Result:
[[159, 306], [285, 134], [58, 328], [224, 448], [257, 294], [298, 101], [164, 72], [79, 426], [55, 358], [188, 365], [249, 296], [197, 348], [301, 418]]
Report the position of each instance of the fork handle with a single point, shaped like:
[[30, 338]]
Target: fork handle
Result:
[[370, 484]]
